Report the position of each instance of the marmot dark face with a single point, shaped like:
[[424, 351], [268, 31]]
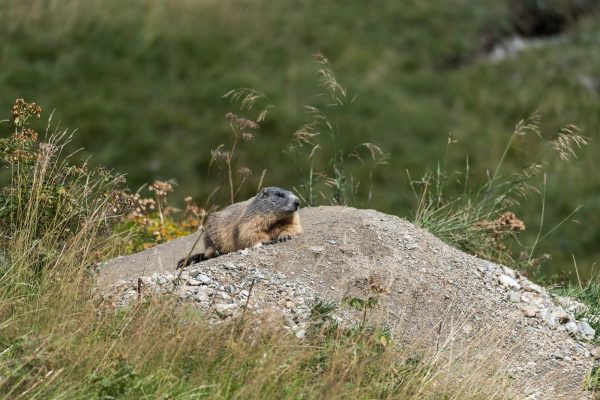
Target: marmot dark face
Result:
[[277, 200]]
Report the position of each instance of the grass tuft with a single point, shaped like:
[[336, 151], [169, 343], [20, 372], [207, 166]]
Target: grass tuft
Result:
[[482, 221]]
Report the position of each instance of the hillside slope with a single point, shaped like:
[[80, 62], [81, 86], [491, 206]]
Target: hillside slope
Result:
[[429, 294]]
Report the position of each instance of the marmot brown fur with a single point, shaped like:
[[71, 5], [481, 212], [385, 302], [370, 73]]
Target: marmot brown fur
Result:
[[269, 217]]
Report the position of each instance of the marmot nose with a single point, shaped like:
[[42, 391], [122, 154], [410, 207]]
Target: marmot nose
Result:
[[296, 204]]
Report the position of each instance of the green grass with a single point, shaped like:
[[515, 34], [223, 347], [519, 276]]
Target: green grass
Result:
[[587, 292]]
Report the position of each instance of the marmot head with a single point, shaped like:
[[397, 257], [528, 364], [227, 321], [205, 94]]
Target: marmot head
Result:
[[277, 200]]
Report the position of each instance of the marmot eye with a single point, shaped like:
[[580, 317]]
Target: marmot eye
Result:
[[280, 194]]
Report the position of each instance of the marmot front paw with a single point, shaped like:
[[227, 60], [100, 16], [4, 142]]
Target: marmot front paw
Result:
[[282, 238]]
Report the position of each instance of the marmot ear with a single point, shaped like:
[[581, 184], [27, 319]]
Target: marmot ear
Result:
[[262, 192]]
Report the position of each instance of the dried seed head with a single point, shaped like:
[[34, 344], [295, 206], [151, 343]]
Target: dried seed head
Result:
[[567, 142], [244, 123], [509, 221], [244, 172], [218, 154], [161, 188], [240, 122], [22, 111], [26, 135], [497, 229], [191, 208]]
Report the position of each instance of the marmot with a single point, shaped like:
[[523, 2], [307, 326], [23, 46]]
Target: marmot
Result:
[[269, 217]]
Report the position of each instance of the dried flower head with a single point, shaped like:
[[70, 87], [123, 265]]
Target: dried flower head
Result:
[[120, 202], [161, 188], [141, 207], [509, 221], [22, 111], [192, 209], [244, 172], [20, 155], [218, 154], [240, 122], [26, 135], [247, 136]]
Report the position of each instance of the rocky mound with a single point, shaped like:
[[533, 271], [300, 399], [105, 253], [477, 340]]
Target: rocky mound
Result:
[[428, 293]]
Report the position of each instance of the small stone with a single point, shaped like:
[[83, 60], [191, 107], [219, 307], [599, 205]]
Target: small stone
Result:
[[289, 304], [549, 318], [572, 328], [317, 249], [571, 305], [229, 266], [193, 282], [514, 297], [509, 272], [201, 296], [184, 295], [531, 287], [193, 289], [301, 334], [332, 241], [586, 329], [204, 279], [530, 311], [526, 297], [224, 296], [561, 315], [244, 252], [493, 268], [558, 355], [507, 281], [224, 310]]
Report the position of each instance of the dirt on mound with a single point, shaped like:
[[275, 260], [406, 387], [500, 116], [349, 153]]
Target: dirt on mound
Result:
[[428, 294]]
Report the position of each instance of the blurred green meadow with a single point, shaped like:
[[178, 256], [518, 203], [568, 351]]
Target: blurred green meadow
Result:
[[143, 81]]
